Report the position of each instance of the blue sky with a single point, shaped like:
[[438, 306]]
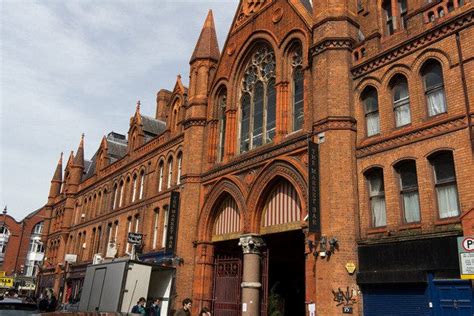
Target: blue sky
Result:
[[69, 67]]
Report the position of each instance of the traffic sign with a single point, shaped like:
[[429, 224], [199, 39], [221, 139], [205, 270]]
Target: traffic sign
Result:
[[466, 256]]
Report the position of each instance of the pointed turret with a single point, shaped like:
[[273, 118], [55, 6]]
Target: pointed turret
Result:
[[77, 168], [203, 64], [207, 46], [79, 159], [55, 188]]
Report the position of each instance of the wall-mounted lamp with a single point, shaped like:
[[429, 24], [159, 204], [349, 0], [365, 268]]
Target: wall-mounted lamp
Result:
[[324, 248]]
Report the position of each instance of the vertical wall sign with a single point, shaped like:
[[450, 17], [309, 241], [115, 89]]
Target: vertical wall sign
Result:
[[313, 188], [173, 217]]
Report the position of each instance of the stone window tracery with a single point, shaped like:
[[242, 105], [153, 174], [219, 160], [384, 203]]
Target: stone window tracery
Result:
[[258, 100]]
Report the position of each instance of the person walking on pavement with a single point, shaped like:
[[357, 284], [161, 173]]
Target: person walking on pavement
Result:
[[186, 310], [140, 307], [155, 308]]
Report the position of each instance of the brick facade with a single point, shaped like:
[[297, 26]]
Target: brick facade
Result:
[[344, 49]]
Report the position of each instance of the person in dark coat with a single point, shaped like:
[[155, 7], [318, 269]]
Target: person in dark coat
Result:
[[52, 302], [186, 310], [205, 312], [155, 308], [140, 307]]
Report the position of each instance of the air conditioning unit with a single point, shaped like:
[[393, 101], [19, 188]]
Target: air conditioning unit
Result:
[[97, 259], [111, 250]]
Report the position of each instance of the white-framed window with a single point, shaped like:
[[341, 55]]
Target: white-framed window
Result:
[[180, 162], [170, 173], [129, 230], [142, 184], [134, 188], [401, 100], [377, 197], [432, 75], [445, 184], [121, 194], [165, 226], [160, 177], [156, 219], [114, 197], [409, 190], [370, 101]]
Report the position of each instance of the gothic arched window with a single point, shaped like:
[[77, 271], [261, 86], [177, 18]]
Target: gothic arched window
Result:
[[258, 100], [298, 90], [222, 107]]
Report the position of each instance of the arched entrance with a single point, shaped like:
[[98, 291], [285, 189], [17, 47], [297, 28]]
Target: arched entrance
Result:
[[227, 274], [283, 271]]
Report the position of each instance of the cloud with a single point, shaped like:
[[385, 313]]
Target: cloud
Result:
[[69, 67]]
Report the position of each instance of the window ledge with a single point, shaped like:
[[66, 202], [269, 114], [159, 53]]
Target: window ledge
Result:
[[377, 230], [448, 220], [409, 226]]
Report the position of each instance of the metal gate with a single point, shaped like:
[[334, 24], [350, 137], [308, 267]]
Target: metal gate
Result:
[[227, 281]]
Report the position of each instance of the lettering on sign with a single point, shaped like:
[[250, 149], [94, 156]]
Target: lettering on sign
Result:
[[173, 217], [313, 187], [466, 256], [135, 238], [347, 310]]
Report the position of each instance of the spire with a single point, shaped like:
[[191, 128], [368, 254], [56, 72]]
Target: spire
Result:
[[207, 46], [138, 106], [58, 174], [79, 159]]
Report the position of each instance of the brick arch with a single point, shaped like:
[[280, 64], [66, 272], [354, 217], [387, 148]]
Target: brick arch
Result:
[[367, 81], [432, 53], [285, 66], [373, 166], [238, 66], [402, 159], [393, 71], [245, 51], [264, 183], [208, 215], [216, 92]]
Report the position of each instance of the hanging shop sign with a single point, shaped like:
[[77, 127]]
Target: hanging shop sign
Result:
[[173, 216], [135, 238], [466, 256], [6, 282], [313, 188]]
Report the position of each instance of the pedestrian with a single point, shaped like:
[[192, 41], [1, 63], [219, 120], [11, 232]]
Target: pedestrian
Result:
[[52, 302], [140, 307], [205, 312], [186, 310], [155, 308]]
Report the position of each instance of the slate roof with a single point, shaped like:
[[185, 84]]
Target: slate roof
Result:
[[153, 126]]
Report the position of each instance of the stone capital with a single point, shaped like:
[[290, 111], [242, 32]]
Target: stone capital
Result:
[[251, 243]]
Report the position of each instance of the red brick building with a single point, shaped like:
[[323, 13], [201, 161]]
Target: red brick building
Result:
[[21, 248], [384, 88]]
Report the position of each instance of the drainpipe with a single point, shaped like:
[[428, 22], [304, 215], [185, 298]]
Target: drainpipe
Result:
[[464, 88]]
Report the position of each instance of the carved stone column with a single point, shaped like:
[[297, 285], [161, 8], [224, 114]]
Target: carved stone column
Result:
[[251, 246]]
